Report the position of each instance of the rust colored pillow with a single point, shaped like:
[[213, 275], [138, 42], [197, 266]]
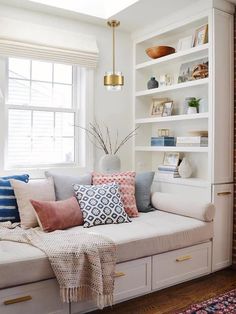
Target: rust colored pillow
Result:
[[58, 215], [126, 182]]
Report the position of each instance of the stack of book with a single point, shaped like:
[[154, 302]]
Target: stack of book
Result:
[[197, 141], [167, 172]]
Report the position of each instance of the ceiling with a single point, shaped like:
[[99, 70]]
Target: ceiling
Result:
[[134, 17]]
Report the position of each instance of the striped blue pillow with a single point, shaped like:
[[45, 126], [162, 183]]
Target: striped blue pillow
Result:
[[8, 204]]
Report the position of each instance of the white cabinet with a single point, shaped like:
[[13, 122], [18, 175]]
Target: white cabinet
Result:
[[36, 298], [223, 226], [180, 265]]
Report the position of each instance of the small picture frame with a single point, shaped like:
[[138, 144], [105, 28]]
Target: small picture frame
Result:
[[201, 36], [157, 107], [167, 110], [185, 43], [171, 159]]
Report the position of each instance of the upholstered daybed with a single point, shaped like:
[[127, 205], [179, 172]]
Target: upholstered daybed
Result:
[[156, 250]]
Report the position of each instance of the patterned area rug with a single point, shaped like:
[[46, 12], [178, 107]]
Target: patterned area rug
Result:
[[225, 303]]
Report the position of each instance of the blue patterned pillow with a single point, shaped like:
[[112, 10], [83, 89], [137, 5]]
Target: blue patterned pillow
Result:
[[100, 204], [8, 204]]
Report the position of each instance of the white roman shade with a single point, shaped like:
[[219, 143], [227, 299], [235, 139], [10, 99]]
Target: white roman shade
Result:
[[36, 41]]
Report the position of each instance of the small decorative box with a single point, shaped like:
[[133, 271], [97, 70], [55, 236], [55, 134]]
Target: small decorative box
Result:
[[163, 141]]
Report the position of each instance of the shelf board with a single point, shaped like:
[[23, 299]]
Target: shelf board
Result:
[[171, 149], [159, 90], [199, 52], [190, 181], [180, 117]]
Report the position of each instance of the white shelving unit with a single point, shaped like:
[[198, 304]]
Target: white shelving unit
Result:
[[213, 165]]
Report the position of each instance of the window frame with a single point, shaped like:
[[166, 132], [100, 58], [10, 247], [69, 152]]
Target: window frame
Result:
[[82, 98]]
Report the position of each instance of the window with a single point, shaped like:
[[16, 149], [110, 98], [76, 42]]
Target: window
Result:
[[42, 108]]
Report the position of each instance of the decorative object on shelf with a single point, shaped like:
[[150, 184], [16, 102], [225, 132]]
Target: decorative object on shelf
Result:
[[157, 106], [193, 105], [203, 105], [192, 141], [113, 80], [185, 169], [185, 43], [109, 163], [187, 70], [163, 132], [167, 172], [101, 138], [152, 83], [185, 106], [167, 110], [201, 36], [159, 51], [171, 159], [163, 141], [200, 71], [166, 80]]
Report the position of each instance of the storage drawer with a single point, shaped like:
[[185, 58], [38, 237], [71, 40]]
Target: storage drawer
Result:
[[36, 298], [132, 278], [176, 266]]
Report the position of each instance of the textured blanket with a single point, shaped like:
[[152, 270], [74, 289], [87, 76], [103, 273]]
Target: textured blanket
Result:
[[83, 263]]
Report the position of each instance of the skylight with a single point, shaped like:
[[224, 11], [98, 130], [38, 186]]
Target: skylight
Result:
[[98, 8]]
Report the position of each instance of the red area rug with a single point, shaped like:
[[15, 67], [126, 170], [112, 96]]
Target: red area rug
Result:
[[225, 303]]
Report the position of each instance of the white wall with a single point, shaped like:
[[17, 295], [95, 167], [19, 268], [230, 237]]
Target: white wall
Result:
[[113, 108]]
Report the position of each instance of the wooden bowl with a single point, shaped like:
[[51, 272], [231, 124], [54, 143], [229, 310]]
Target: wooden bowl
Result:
[[159, 51]]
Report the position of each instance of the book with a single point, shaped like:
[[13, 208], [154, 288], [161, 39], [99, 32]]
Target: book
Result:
[[191, 139]]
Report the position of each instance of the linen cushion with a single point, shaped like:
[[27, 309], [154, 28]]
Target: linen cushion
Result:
[[126, 181], [184, 207], [100, 204], [63, 184], [42, 190], [149, 234], [8, 204], [58, 215], [143, 182]]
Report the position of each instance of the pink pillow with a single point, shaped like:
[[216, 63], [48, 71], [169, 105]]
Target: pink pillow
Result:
[[126, 182], [58, 215]]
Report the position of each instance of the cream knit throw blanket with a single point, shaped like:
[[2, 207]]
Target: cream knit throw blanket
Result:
[[83, 263]]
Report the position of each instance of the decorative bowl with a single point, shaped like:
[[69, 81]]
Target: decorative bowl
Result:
[[159, 51]]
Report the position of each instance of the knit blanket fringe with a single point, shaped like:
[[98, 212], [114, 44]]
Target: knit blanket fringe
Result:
[[83, 262]]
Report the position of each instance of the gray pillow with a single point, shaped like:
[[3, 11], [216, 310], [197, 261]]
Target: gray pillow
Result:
[[64, 184], [143, 183]]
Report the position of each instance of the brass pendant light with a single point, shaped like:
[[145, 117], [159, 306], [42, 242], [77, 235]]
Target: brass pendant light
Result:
[[113, 80]]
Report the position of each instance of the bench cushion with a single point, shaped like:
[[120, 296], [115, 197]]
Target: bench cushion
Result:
[[149, 234]]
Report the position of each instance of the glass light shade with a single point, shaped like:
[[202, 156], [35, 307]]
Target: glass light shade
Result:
[[114, 81]]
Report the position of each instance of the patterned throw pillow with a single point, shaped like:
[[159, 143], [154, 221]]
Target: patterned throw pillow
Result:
[[8, 205], [126, 181], [100, 204]]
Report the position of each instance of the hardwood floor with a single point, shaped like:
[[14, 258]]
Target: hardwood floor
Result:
[[172, 299]]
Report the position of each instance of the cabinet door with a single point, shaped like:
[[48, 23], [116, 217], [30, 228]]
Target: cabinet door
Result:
[[223, 226]]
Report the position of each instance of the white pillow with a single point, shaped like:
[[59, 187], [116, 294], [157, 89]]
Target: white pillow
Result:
[[40, 190]]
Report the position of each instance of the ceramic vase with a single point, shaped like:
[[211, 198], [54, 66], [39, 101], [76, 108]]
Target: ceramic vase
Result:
[[152, 83], [192, 110], [109, 163], [185, 169]]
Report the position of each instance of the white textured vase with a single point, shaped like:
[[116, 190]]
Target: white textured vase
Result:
[[185, 169], [192, 110], [109, 163]]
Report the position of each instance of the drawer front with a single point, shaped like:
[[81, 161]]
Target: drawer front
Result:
[[177, 266], [132, 278], [37, 298]]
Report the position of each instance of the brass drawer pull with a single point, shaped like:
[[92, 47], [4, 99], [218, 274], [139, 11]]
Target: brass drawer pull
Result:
[[119, 274], [183, 258], [18, 300], [223, 193]]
